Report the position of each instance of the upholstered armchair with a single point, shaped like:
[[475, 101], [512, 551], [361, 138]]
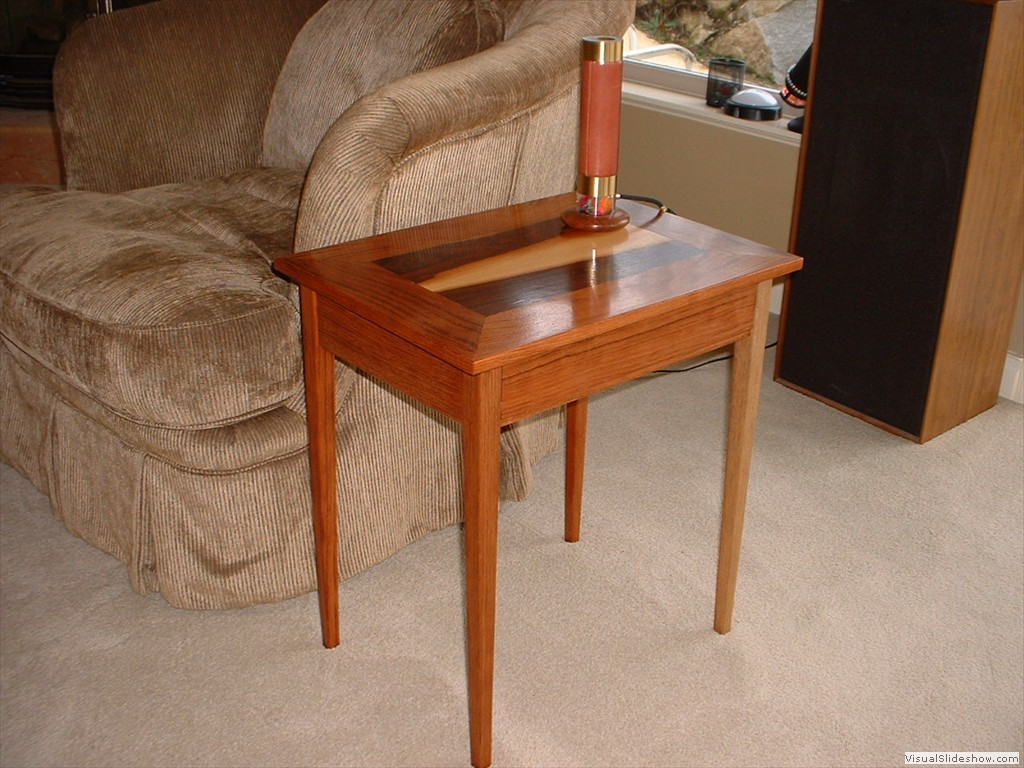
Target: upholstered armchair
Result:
[[150, 367]]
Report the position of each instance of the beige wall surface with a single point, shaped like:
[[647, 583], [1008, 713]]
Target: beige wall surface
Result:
[[739, 181], [733, 181]]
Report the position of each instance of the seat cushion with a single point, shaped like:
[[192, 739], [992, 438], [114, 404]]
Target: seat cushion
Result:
[[159, 303], [350, 48]]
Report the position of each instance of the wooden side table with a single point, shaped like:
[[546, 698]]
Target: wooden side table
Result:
[[492, 317]]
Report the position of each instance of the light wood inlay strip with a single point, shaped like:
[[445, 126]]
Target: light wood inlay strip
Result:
[[571, 248]]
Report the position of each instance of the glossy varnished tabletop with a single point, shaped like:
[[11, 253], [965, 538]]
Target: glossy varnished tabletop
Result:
[[496, 316]]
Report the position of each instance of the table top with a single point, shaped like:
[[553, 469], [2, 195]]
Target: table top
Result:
[[477, 290]]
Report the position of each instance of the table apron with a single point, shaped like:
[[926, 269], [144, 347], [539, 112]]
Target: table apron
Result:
[[596, 363], [376, 351], [552, 377]]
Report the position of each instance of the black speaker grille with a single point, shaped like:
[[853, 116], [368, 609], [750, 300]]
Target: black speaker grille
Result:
[[894, 96]]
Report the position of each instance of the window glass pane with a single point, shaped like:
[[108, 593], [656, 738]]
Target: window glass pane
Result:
[[769, 35]]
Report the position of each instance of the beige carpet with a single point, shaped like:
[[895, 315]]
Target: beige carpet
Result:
[[880, 609]]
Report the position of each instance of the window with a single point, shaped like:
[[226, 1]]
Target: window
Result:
[[671, 41]]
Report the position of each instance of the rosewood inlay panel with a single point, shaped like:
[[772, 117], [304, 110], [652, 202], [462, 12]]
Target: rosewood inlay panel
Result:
[[516, 268], [424, 263]]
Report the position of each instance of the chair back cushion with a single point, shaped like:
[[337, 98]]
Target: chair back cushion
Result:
[[352, 47]]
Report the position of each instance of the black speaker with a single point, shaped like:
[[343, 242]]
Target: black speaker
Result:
[[892, 134]]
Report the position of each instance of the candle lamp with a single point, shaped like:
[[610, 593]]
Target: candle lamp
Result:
[[600, 117]]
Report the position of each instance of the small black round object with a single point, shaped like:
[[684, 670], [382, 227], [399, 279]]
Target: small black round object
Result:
[[752, 104]]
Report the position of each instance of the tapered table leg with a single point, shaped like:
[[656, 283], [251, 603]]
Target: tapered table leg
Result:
[[575, 458], [481, 467], [319, 365], [747, 364]]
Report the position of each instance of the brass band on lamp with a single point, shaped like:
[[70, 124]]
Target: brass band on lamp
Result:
[[600, 118], [596, 186]]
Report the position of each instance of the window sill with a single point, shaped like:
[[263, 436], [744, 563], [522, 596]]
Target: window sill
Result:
[[680, 93]]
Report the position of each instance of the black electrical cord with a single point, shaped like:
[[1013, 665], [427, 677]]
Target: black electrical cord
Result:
[[662, 208], [701, 364]]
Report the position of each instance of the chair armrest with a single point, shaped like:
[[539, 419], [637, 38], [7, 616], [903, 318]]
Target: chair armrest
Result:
[[171, 91], [498, 127]]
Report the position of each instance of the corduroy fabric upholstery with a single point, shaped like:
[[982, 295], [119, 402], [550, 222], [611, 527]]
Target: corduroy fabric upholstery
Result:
[[326, 71], [159, 302], [474, 134], [150, 370], [139, 104]]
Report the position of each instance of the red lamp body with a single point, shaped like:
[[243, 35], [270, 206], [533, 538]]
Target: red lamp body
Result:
[[600, 119]]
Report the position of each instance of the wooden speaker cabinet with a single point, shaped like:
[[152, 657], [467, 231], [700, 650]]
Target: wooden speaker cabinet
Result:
[[909, 211]]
